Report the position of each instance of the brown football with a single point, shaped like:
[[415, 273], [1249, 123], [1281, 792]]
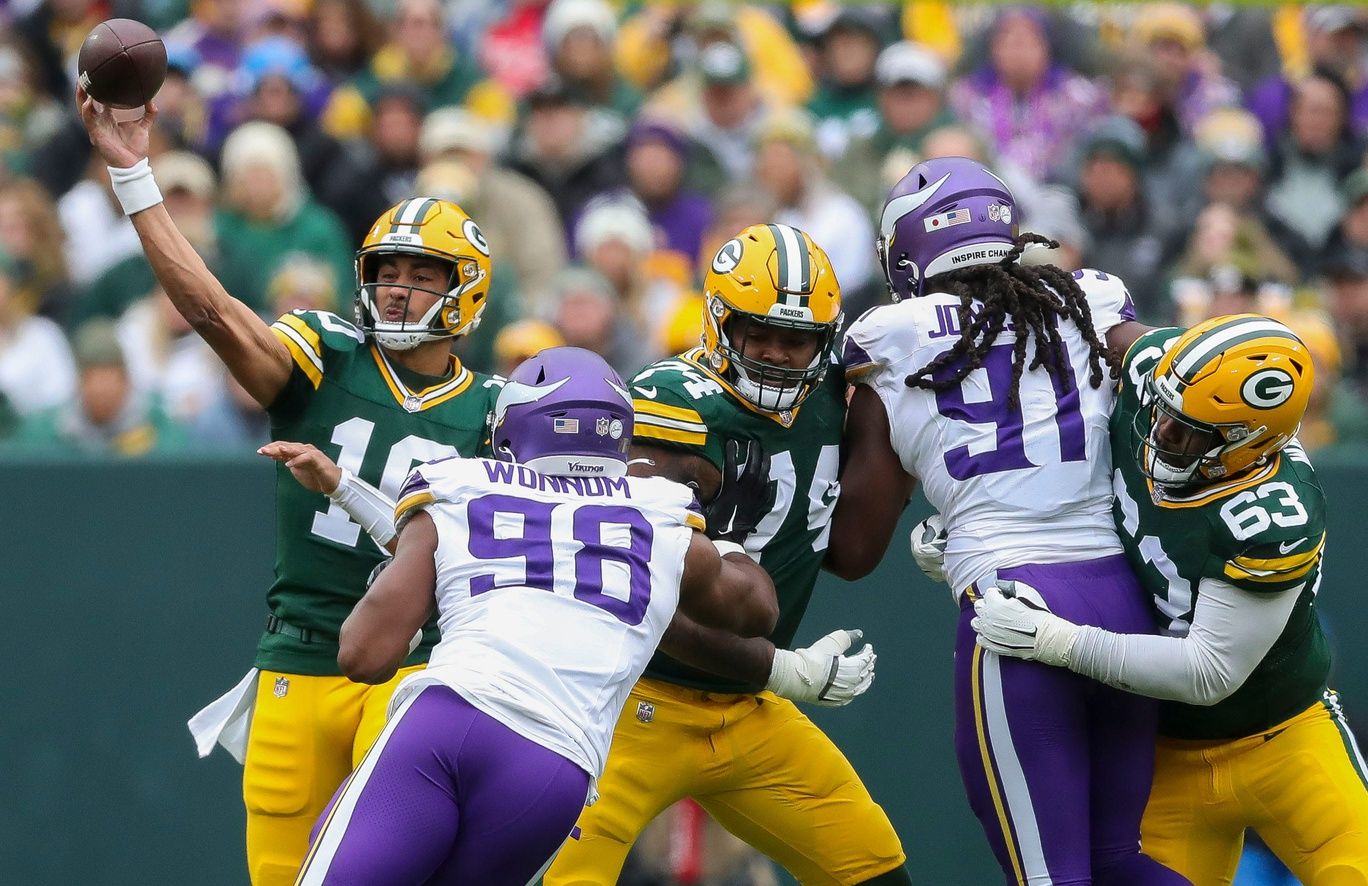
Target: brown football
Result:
[[122, 63]]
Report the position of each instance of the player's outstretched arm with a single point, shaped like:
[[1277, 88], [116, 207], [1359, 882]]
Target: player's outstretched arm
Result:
[[257, 359], [365, 504], [874, 490], [377, 636], [730, 593]]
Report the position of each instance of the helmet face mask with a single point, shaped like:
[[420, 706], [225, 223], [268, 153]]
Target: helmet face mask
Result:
[[437, 231], [771, 289], [767, 385], [1226, 396]]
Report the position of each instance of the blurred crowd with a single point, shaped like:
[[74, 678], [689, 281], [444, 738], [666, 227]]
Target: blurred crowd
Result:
[[1213, 157]]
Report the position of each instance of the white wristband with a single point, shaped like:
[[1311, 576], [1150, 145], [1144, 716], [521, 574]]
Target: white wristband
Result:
[[135, 187], [366, 505], [728, 547]]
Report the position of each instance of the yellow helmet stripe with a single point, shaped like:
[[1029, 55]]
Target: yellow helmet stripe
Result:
[[795, 265], [1204, 348]]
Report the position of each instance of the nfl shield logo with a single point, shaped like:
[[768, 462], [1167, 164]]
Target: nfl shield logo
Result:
[[601, 427], [282, 686], [645, 712]]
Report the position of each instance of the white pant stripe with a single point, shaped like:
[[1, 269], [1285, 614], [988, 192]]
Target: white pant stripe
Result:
[[1016, 793], [330, 838]]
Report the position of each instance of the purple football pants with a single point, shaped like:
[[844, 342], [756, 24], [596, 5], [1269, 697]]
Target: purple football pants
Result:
[[446, 795], [1057, 766]]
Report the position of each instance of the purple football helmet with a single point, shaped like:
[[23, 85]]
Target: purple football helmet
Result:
[[565, 412], [946, 213]]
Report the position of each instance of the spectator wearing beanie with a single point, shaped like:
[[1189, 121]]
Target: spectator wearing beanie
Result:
[[579, 37], [1174, 36], [847, 51], [910, 102], [516, 215], [267, 213], [657, 160]]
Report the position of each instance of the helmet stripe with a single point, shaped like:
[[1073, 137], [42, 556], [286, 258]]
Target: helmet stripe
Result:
[[412, 213], [795, 266], [1206, 347]]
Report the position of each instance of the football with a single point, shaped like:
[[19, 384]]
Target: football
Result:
[[122, 63]]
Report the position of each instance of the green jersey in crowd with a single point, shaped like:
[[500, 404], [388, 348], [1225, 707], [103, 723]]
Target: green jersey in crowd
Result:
[[377, 420], [681, 404], [1263, 531]]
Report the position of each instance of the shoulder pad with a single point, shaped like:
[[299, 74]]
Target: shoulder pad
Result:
[[883, 336], [1109, 302], [667, 397], [311, 336], [1277, 531], [1144, 353]]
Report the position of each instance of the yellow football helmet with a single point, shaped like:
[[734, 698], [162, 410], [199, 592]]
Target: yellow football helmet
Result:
[[1228, 394], [773, 275], [435, 228]]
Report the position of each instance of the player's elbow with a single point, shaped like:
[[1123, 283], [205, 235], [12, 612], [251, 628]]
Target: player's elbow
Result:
[[363, 662], [850, 561]]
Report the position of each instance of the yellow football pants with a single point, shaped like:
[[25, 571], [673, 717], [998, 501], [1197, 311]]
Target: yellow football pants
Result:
[[1300, 785], [307, 735], [755, 763]]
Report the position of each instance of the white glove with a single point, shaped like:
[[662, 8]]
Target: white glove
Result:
[[928, 547], [1012, 619], [822, 674]]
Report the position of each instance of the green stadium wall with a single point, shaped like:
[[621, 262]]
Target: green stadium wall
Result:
[[133, 593]]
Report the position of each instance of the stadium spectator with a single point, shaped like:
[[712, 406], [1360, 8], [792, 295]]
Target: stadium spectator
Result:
[[32, 235], [728, 108], [36, 368], [1126, 234], [579, 37], [1346, 278], [98, 235], [847, 50], [391, 153], [517, 216], [789, 166], [267, 213], [109, 415], [1243, 38], [343, 35], [417, 54], [1351, 229], [1173, 165], [910, 103], [572, 151], [589, 314], [1314, 154], [1336, 414], [1031, 106], [1334, 42], [1173, 35], [518, 341], [511, 48], [215, 32], [1056, 215], [53, 33], [657, 43], [657, 160], [28, 116]]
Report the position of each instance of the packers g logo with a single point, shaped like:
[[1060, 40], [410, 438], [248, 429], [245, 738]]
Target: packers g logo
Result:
[[471, 232], [728, 257], [1267, 388]]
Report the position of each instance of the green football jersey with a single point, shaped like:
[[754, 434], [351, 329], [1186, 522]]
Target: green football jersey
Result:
[[377, 420], [1263, 532], [682, 405]]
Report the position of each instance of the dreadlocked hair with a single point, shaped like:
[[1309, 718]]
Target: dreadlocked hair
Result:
[[1033, 299]]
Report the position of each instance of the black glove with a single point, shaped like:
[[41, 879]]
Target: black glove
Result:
[[745, 496]]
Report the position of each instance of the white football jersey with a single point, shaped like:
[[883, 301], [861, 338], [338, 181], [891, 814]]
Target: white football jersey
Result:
[[1030, 485], [552, 593]]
